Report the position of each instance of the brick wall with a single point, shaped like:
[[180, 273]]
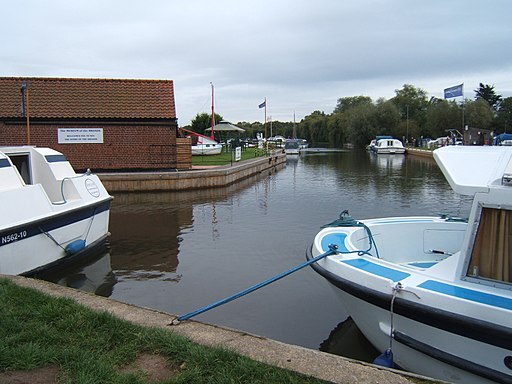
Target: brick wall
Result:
[[124, 147]]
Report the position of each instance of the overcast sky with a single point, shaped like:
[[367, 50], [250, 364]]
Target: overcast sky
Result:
[[301, 55]]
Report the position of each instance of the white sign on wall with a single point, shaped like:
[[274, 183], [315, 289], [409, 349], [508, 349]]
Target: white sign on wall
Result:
[[79, 135]]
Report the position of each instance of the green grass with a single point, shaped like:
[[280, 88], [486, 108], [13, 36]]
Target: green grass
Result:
[[37, 330], [225, 158]]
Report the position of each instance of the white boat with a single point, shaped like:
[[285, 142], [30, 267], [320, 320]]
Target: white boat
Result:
[[388, 146], [292, 146], [371, 146], [204, 145], [434, 293], [49, 214]]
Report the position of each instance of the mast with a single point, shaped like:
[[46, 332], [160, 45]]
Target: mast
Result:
[[294, 132], [213, 114]]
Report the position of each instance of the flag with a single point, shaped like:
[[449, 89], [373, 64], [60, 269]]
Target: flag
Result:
[[263, 105], [453, 91], [23, 88]]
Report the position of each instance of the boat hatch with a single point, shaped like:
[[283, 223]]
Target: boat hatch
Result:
[[22, 163]]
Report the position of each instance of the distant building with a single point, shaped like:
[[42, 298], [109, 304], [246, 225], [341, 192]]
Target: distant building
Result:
[[102, 124], [477, 136]]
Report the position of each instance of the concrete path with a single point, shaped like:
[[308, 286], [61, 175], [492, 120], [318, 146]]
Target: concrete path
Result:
[[310, 362]]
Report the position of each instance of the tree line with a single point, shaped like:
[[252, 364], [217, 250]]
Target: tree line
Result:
[[409, 115]]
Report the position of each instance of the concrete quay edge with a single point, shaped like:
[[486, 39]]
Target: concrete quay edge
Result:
[[324, 366], [208, 177], [419, 152]]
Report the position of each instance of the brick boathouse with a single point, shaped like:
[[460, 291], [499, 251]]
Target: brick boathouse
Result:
[[102, 124]]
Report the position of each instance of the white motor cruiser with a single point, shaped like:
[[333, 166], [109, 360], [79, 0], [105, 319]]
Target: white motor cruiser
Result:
[[49, 215]]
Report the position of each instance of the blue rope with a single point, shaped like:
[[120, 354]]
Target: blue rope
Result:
[[332, 250]]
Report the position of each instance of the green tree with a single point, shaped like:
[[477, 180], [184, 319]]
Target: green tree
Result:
[[387, 117], [442, 115], [314, 128], [504, 118], [362, 124], [479, 114], [486, 92], [346, 103], [337, 128], [412, 104], [203, 121]]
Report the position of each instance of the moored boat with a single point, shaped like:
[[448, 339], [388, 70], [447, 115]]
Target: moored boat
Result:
[[50, 215], [204, 145], [388, 146], [292, 146], [434, 294]]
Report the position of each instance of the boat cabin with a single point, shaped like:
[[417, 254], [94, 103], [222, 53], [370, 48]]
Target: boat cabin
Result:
[[487, 175]]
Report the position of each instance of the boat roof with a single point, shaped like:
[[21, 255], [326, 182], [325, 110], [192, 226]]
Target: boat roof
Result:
[[473, 169]]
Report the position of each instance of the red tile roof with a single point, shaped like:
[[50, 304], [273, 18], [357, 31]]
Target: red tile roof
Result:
[[66, 98]]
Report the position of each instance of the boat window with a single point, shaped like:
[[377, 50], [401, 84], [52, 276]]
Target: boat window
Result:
[[492, 251], [4, 163], [55, 158]]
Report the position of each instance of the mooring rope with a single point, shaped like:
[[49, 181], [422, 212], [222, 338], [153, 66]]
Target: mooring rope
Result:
[[333, 249], [345, 220]]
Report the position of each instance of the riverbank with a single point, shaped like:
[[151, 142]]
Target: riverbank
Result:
[[311, 363], [419, 152]]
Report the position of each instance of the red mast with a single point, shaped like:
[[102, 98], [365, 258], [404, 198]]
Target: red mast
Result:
[[213, 114]]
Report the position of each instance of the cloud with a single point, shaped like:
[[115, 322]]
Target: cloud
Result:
[[301, 56]]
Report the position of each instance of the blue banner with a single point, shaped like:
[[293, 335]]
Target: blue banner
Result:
[[263, 105], [454, 91]]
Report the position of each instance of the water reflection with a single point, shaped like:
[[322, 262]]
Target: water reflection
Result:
[[347, 340], [146, 230], [93, 274], [178, 251]]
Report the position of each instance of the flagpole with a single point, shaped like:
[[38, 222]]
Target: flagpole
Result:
[[213, 114], [463, 107], [265, 117]]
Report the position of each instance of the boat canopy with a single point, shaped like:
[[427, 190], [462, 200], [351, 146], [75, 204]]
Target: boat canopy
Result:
[[487, 167]]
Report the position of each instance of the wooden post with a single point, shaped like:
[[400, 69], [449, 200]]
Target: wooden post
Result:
[[28, 117]]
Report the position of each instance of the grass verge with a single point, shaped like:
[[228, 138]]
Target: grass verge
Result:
[[225, 158], [38, 330]]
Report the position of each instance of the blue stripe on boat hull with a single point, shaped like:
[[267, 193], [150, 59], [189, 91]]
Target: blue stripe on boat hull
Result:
[[51, 223], [467, 294], [376, 269]]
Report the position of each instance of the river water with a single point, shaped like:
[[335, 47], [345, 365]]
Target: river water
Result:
[[178, 251]]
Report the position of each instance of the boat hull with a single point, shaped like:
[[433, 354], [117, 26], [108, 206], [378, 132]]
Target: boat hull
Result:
[[37, 245], [390, 151], [434, 350], [206, 149]]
